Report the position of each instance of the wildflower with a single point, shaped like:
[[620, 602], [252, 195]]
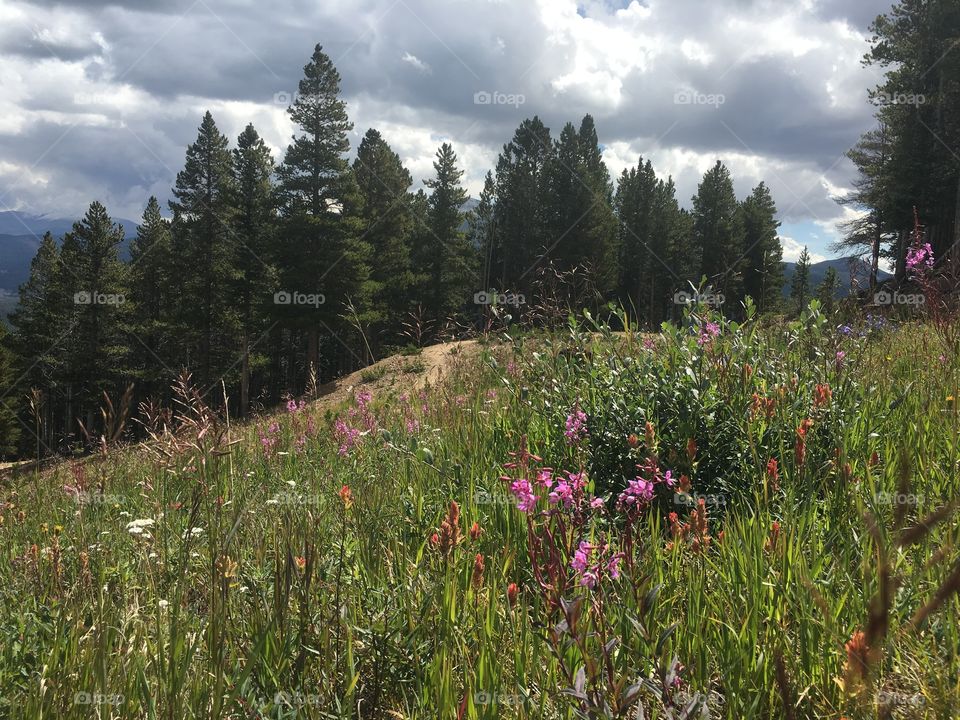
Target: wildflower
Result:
[[291, 405], [347, 436], [596, 503], [475, 531], [822, 395], [576, 426], [919, 258], [632, 440], [637, 493], [449, 534], [568, 491], [774, 537], [435, 540], [708, 332], [649, 344], [581, 557], [800, 446], [228, 567], [545, 478], [512, 592], [874, 458], [691, 449], [301, 562], [773, 474], [838, 362], [346, 495], [477, 578], [139, 527], [650, 435], [684, 484], [858, 658], [163, 604], [523, 492]]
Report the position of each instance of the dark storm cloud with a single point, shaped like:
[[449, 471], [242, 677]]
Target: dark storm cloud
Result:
[[135, 78]]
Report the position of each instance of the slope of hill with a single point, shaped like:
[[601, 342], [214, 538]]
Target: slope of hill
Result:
[[845, 267], [20, 235]]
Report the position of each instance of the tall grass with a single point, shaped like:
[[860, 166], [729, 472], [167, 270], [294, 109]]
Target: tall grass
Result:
[[288, 568]]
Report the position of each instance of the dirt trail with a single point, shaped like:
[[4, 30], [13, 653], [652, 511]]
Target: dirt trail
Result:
[[399, 373]]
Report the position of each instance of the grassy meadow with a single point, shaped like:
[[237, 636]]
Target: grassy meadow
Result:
[[722, 520]]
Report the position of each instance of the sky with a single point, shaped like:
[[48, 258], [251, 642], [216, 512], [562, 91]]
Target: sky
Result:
[[99, 98]]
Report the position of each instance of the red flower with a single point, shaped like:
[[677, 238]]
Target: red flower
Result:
[[477, 579], [475, 531], [512, 592]]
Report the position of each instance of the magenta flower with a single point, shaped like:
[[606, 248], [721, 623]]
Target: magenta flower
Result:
[[545, 478], [638, 493], [596, 503], [576, 426], [523, 492], [708, 332], [920, 258]]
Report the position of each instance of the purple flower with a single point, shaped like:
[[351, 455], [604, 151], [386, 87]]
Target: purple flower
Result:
[[637, 493], [576, 426], [581, 558], [523, 491], [708, 332], [596, 503], [920, 258], [545, 478]]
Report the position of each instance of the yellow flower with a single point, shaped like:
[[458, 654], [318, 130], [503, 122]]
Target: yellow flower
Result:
[[57, 529]]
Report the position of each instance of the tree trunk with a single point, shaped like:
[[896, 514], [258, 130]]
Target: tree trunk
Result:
[[245, 376]]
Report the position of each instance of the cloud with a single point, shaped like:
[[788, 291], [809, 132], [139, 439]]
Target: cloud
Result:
[[98, 99], [792, 250]]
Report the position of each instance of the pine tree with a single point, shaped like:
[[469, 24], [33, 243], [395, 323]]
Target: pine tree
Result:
[[41, 319], [385, 213], [256, 276], [869, 231], [578, 199], [482, 231], [97, 283], [517, 234], [9, 424], [636, 205], [153, 301], [323, 255], [448, 261], [205, 249], [800, 282], [718, 232], [42, 323], [763, 270], [827, 290]]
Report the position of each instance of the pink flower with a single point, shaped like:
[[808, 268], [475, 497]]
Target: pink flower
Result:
[[596, 503], [576, 426], [291, 405], [709, 331], [581, 558], [523, 492], [545, 478], [637, 493]]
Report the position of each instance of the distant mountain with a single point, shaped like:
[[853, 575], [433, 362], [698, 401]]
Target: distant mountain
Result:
[[844, 267], [20, 235]]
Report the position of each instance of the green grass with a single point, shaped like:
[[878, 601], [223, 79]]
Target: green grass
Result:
[[258, 591]]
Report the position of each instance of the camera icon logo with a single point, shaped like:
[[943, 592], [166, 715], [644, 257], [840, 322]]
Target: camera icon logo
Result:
[[482, 98], [84, 297], [882, 298], [282, 298]]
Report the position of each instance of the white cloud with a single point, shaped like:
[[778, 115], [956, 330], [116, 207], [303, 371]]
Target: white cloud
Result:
[[792, 250]]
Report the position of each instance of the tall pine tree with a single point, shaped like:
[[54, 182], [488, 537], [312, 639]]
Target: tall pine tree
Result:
[[205, 249], [718, 232], [763, 270]]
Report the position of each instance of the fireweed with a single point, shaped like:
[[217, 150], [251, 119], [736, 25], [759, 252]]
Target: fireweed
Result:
[[578, 557]]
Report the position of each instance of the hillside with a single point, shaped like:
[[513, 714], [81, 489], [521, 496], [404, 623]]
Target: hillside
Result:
[[845, 267]]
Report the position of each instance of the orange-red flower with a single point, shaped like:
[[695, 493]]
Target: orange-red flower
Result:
[[477, 579], [346, 494], [512, 592]]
